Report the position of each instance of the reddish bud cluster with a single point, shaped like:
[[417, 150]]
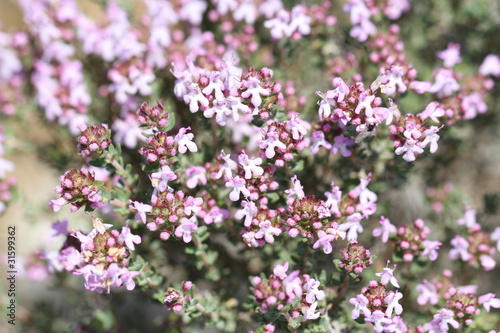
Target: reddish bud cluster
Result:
[[159, 149], [376, 294], [259, 186], [94, 139], [465, 306], [152, 117], [387, 51], [355, 258], [79, 188], [175, 300], [481, 248], [306, 216], [264, 75], [280, 132], [409, 240]]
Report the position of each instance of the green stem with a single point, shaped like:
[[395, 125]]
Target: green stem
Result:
[[290, 321], [342, 290], [120, 170], [202, 254]]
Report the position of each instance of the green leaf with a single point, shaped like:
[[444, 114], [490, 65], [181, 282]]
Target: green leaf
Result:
[[171, 122], [105, 319], [273, 197], [98, 163], [257, 121], [297, 167], [272, 315], [111, 150]]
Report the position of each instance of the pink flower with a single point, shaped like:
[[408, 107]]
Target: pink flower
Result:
[[312, 291], [248, 212], [469, 219], [215, 85], [192, 205], [432, 111], [185, 141], [271, 143], [238, 185], [128, 239], [60, 227], [298, 127], [186, 228], [254, 91], [388, 276], [450, 56], [267, 231], [352, 225], [490, 65], [310, 312], [324, 241], [487, 262], [441, 321], [431, 137], [297, 189], [392, 301], [318, 140], [420, 86], [495, 236], [384, 230], [489, 301], [341, 144], [445, 84], [379, 320], [410, 150], [473, 105], [228, 166], [196, 174], [460, 249], [57, 204], [251, 165], [365, 102], [216, 215], [360, 303], [430, 249], [428, 293], [195, 97], [280, 270], [142, 210], [161, 178]]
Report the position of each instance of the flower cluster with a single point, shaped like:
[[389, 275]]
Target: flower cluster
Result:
[[458, 304], [409, 241], [170, 212], [355, 258], [175, 300], [292, 294], [78, 188], [377, 304], [101, 256], [153, 117], [477, 246], [94, 139]]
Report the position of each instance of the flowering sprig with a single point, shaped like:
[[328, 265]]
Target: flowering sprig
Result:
[[79, 188], [101, 256], [409, 241], [458, 305], [294, 296], [377, 304], [476, 247]]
